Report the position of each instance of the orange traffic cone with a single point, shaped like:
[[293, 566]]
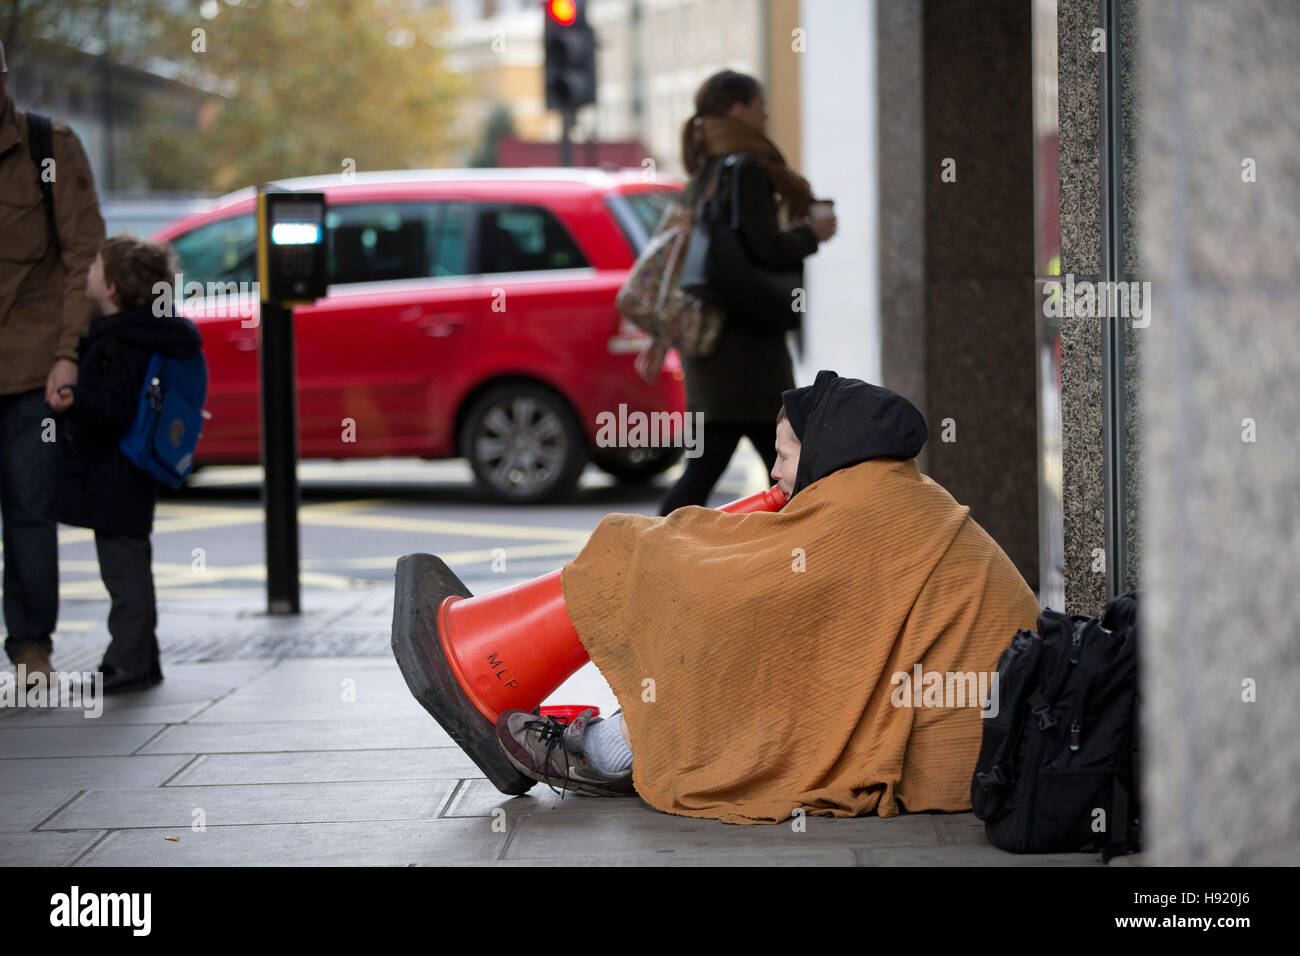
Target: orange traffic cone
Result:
[[466, 659]]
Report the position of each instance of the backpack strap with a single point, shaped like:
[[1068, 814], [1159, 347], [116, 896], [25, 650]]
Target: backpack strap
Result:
[[735, 161], [710, 201], [40, 142]]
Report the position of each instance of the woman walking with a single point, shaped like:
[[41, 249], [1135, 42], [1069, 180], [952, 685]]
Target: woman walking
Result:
[[738, 387]]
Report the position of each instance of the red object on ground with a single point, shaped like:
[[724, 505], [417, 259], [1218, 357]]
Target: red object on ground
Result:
[[568, 711], [512, 648]]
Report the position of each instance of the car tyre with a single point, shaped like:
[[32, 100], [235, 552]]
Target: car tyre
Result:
[[524, 443]]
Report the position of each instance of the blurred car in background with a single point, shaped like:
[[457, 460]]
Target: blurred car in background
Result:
[[143, 214], [469, 313]]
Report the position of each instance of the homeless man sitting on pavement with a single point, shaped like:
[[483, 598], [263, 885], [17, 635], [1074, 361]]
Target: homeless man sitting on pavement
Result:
[[758, 658]]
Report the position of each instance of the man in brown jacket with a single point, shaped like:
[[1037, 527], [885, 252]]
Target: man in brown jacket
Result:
[[44, 313]]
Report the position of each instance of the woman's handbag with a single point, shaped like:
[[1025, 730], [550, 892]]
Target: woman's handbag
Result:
[[742, 287], [652, 299]]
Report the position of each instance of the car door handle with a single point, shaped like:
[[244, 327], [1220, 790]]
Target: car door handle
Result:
[[439, 325]]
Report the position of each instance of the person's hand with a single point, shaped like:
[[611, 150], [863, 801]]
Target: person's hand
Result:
[[823, 228], [62, 374]]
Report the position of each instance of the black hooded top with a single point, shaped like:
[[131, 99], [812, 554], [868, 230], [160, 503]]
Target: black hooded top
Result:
[[845, 421]]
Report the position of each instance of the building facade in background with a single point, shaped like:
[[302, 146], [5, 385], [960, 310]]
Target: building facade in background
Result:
[[652, 55]]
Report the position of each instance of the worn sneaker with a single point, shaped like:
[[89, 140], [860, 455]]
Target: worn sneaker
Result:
[[549, 749]]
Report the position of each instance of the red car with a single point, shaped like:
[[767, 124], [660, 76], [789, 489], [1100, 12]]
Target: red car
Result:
[[470, 313]]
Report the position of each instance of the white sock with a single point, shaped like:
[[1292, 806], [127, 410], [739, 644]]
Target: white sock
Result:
[[605, 747]]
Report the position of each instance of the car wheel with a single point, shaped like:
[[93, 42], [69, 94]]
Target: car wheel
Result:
[[638, 464], [524, 444]]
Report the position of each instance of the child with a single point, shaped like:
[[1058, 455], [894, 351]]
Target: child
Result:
[[97, 486]]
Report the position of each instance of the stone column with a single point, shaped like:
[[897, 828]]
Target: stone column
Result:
[[1219, 164], [957, 240], [902, 201]]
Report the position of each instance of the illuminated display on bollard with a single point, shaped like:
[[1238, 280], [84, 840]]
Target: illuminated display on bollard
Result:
[[291, 229]]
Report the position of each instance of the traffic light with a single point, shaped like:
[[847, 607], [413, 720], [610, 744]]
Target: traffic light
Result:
[[570, 55]]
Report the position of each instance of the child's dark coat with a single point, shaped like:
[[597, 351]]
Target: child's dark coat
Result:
[[97, 487]]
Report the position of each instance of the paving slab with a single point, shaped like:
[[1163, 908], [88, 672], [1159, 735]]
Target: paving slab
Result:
[[204, 679], [325, 766], [289, 773], [762, 859], [96, 740], [477, 797], [45, 849], [960, 828], [23, 810], [601, 833], [967, 856], [115, 711], [274, 736], [371, 677], [397, 843], [327, 706], [255, 804], [186, 683], [89, 773]]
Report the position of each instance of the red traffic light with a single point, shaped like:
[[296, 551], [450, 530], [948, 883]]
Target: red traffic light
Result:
[[563, 12]]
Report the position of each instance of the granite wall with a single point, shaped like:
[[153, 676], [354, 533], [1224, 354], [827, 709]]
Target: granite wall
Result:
[[1079, 114], [1219, 165]]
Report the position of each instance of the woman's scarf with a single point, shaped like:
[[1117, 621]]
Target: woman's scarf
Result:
[[723, 135]]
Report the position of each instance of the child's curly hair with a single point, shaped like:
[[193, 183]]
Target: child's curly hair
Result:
[[135, 267]]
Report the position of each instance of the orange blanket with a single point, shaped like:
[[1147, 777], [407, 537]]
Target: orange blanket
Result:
[[758, 658]]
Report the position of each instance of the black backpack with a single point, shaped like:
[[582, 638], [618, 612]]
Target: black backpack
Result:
[[1058, 764]]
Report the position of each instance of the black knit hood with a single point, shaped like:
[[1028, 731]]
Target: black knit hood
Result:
[[845, 421]]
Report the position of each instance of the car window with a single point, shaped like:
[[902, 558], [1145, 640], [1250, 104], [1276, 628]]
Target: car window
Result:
[[377, 242], [649, 208], [638, 214], [224, 251], [448, 257], [514, 238]]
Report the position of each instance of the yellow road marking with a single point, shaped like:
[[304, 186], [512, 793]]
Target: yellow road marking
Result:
[[454, 558], [339, 515], [466, 529]]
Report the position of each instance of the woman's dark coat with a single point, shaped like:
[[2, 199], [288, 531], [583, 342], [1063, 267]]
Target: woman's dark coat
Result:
[[743, 379], [97, 487]]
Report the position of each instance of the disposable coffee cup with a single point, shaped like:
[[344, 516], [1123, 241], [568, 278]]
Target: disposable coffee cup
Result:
[[822, 209]]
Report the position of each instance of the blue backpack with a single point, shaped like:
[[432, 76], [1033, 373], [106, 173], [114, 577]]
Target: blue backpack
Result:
[[169, 418]]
